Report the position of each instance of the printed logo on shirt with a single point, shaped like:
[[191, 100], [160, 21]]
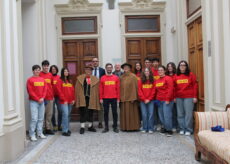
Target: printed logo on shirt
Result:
[[156, 77], [147, 86], [183, 81], [109, 82], [55, 82], [47, 80], [38, 84], [67, 85], [159, 84]]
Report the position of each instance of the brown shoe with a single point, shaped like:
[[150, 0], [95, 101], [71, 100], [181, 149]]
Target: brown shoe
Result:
[[100, 125]]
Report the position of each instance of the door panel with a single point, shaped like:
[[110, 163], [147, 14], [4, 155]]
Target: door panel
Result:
[[195, 44], [75, 54]]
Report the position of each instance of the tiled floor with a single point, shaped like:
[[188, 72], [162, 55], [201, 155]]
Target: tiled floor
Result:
[[109, 148]]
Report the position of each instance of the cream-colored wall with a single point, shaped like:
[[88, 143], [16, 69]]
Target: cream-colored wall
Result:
[[11, 97]]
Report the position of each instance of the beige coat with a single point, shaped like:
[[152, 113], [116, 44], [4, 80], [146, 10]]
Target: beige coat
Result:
[[94, 102], [128, 87]]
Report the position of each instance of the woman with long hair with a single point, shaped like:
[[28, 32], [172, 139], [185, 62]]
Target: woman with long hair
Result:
[[67, 99], [146, 96], [186, 88], [138, 70], [171, 71], [164, 94]]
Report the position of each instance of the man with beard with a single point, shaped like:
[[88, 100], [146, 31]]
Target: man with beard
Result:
[[110, 95]]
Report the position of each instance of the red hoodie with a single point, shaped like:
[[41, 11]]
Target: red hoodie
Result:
[[36, 88], [48, 77], [65, 92], [55, 80], [109, 87], [155, 73], [146, 91], [164, 88], [186, 86]]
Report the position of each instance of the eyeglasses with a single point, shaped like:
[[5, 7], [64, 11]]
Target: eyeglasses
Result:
[[183, 65], [95, 61]]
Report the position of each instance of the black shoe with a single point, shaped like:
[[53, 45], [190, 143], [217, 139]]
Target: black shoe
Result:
[[169, 133], [59, 128], [69, 132], [82, 130], [116, 130], [66, 134], [163, 131], [92, 129], [100, 126], [105, 130], [49, 132]]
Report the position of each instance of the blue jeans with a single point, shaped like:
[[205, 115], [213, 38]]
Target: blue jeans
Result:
[[37, 116], [165, 114], [66, 110], [147, 115], [174, 116], [58, 105], [185, 114]]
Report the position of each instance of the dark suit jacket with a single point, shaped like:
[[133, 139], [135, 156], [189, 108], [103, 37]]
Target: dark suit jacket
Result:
[[101, 72]]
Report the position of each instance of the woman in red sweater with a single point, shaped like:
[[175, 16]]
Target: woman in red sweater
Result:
[[186, 95], [146, 96], [66, 99], [54, 71], [164, 94], [138, 70], [171, 71]]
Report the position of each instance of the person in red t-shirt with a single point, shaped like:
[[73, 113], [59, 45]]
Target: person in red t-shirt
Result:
[[49, 97], [54, 71], [171, 71], [164, 94], [66, 97], [37, 89], [186, 88], [110, 95], [146, 93]]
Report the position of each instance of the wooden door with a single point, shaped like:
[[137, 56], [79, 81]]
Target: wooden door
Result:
[[137, 49], [195, 44], [75, 54]]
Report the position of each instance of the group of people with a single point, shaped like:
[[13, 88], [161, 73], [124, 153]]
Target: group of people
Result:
[[150, 97]]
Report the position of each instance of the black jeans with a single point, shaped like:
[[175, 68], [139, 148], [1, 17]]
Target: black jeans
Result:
[[86, 115], [106, 103]]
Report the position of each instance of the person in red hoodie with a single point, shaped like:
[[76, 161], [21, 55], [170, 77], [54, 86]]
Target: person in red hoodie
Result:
[[66, 99], [110, 95], [49, 97], [138, 70], [146, 92], [164, 94], [171, 71], [186, 88], [155, 64], [37, 89], [54, 71]]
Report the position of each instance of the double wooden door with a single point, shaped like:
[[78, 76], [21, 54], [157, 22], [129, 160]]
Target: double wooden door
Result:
[[76, 53], [137, 49], [195, 45]]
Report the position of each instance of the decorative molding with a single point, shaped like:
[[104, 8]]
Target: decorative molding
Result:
[[78, 7], [136, 5]]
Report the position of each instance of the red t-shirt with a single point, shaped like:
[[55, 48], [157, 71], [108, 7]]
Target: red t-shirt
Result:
[[155, 74], [164, 88], [55, 80], [186, 86], [65, 92], [48, 77], [146, 91], [109, 87], [36, 88]]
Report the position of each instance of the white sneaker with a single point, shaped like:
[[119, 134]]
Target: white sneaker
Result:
[[33, 138], [42, 136], [181, 132], [143, 131], [150, 132], [158, 128], [174, 130], [187, 133]]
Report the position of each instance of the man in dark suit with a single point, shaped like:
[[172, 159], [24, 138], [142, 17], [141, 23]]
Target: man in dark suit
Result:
[[98, 72]]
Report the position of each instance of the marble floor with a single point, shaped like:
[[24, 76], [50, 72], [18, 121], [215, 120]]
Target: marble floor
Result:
[[110, 148]]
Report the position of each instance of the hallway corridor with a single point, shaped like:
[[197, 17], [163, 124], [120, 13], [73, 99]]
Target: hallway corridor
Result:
[[109, 148]]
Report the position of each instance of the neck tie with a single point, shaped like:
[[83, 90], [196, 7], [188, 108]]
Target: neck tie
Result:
[[95, 72]]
